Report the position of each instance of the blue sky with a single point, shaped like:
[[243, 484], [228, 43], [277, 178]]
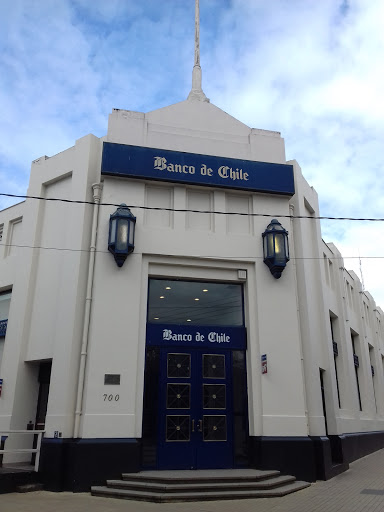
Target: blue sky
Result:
[[307, 68]]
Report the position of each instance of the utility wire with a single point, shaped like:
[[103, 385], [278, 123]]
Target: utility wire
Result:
[[186, 210], [208, 256]]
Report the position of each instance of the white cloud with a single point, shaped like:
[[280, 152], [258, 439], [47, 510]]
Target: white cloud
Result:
[[310, 69]]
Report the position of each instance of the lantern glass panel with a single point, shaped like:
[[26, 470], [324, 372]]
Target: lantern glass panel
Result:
[[112, 234], [131, 232], [270, 249], [122, 235], [279, 245]]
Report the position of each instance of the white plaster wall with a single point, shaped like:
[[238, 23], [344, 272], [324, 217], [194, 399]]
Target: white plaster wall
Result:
[[314, 326], [49, 289], [344, 298], [287, 319], [195, 127], [335, 303], [46, 305], [117, 338], [216, 243], [8, 260]]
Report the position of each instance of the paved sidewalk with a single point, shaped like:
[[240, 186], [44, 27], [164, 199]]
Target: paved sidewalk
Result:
[[361, 488]]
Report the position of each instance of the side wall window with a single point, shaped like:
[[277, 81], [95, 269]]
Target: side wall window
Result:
[[5, 301]]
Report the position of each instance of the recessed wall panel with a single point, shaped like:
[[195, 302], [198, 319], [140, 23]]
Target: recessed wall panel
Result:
[[14, 237], [159, 197], [201, 201], [238, 224]]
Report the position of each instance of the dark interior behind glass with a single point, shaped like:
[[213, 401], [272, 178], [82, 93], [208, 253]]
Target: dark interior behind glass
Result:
[[195, 303]]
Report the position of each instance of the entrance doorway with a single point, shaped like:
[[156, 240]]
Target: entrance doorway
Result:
[[195, 428], [44, 379], [195, 399]]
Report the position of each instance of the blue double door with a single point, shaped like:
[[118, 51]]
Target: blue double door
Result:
[[195, 409]]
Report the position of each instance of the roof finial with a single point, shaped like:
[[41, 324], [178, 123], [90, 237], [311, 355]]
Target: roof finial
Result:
[[196, 91]]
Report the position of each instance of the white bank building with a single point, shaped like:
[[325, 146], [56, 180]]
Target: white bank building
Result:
[[206, 326]]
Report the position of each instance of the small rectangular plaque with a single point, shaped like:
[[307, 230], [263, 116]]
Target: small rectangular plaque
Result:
[[264, 364], [112, 378]]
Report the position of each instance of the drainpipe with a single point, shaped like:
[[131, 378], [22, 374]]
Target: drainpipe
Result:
[[97, 188]]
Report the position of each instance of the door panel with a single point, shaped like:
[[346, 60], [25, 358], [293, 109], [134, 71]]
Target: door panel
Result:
[[195, 410], [175, 449], [214, 448]]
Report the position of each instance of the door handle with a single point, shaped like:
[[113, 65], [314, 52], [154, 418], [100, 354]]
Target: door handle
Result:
[[200, 426], [193, 425]]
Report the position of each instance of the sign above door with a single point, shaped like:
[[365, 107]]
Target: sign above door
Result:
[[196, 336]]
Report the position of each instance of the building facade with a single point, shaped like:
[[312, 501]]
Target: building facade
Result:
[[191, 354]]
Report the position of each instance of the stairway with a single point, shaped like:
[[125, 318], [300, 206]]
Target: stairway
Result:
[[203, 485], [15, 478]]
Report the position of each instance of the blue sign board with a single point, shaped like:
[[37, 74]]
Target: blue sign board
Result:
[[160, 164], [197, 336]]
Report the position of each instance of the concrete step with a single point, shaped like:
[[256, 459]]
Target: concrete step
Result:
[[205, 475], [31, 487], [207, 495], [202, 485], [12, 479]]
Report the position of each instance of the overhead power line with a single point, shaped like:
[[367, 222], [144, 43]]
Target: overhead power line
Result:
[[187, 210], [207, 256]]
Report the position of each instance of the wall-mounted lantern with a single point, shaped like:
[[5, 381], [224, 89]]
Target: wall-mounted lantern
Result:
[[275, 248], [121, 240]]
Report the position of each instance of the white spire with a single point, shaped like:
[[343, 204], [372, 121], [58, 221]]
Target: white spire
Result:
[[196, 91]]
